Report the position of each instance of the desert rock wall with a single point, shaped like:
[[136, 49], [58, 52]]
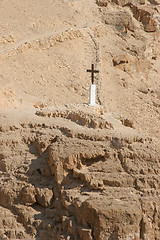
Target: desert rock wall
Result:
[[68, 170], [65, 179]]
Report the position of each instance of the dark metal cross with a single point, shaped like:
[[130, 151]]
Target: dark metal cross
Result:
[[92, 71]]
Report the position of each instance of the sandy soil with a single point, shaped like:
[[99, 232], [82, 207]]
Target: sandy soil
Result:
[[46, 47]]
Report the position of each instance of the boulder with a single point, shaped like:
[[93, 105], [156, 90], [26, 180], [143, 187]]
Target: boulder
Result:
[[28, 195], [44, 196], [122, 62]]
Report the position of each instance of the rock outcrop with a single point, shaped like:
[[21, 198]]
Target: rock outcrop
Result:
[[66, 179], [145, 16], [69, 171]]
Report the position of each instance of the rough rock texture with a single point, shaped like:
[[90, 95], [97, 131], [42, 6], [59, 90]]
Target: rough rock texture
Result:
[[66, 179], [68, 170], [144, 16]]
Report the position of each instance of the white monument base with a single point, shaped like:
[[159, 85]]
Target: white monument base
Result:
[[92, 97]]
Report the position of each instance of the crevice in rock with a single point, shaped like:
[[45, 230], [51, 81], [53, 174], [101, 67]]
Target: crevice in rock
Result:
[[92, 160], [142, 229]]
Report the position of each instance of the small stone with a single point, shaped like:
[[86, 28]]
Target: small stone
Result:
[[85, 233]]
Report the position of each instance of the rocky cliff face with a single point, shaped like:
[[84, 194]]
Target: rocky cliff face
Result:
[[78, 173], [72, 171]]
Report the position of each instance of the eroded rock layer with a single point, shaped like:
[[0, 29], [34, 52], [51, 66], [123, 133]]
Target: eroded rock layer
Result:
[[63, 178], [77, 172]]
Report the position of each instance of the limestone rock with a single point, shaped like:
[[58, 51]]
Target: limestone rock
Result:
[[122, 20], [122, 62], [29, 195], [84, 233], [121, 2], [102, 3], [44, 196], [144, 16], [2, 163], [126, 2], [101, 182], [70, 171], [10, 228]]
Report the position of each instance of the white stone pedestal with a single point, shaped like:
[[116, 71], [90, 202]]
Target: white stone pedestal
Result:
[[92, 97]]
